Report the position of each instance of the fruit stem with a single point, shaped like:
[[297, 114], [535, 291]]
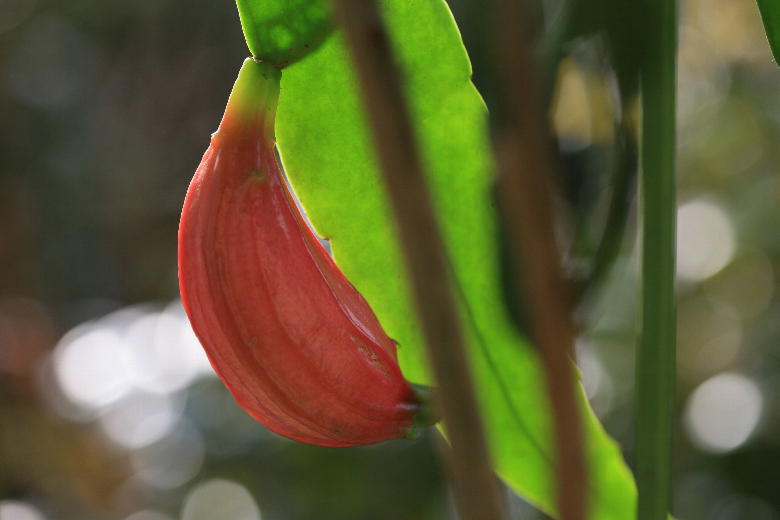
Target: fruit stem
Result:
[[253, 99]]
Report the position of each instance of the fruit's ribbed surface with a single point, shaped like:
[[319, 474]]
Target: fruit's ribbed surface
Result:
[[294, 342]]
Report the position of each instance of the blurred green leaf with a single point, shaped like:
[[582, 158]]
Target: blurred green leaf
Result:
[[284, 31], [770, 15], [326, 148]]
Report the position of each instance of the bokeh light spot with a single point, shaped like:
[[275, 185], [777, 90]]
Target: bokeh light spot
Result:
[[221, 499], [173, 460], [723, 412], [582, 112], [16, 510], [91, 366], [167, 355], [705, 240], [140, 419]]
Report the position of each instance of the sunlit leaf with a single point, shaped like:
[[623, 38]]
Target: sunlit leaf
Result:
[[326, 148], [283, 31], [770, 15]]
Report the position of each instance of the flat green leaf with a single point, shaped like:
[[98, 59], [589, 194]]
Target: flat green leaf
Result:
[[326, 148], [284, 31], [770, 15]]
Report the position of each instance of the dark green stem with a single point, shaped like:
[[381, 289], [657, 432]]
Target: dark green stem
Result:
[[655, 362]]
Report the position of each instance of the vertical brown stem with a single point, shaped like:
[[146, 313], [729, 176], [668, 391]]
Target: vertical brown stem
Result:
[[477, 492], [526, 168]]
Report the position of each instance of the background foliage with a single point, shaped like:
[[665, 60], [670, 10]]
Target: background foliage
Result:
[[106, 109]]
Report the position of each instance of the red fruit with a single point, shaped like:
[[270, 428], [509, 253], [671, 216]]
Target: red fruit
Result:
[[295, 343]]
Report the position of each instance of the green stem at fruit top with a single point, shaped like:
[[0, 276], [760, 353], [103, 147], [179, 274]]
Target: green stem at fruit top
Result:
[[256, 89]]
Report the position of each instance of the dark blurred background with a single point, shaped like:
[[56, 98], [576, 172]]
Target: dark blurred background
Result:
[[108, 408]]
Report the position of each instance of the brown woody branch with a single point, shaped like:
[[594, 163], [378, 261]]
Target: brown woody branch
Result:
[[526, 173], [477, 492]]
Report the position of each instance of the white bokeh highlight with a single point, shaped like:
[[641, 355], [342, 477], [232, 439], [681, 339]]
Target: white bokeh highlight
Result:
[[723, 412], [705, 240], [141, 419], [91, 366], [135, 351], [219, 498], [17, 510], [173, 460]]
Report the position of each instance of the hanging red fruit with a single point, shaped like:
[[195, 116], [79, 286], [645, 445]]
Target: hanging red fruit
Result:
[[294, 342]]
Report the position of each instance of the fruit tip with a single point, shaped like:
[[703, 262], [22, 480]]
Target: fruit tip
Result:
[[428, 413]]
